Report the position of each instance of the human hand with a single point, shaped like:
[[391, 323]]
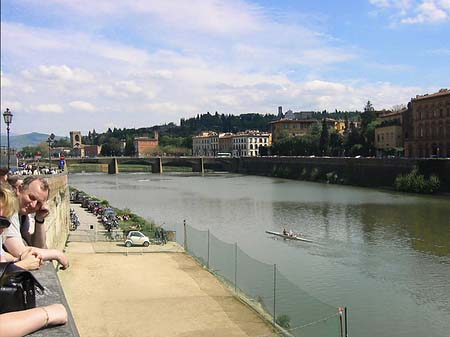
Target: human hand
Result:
[[57, 314], [29, 259], [43, 212]]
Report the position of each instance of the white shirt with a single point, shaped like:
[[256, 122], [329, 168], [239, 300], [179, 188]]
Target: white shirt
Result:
[[14, 229]]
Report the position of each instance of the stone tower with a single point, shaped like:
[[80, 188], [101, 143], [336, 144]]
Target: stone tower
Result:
[[75, 139]]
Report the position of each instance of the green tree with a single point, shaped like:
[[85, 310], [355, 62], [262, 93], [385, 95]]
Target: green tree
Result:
[[62, 142], [324, 142], [336, 144], [368, 107], [129, 150]]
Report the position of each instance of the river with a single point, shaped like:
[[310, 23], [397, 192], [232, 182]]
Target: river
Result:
[[384, 255]]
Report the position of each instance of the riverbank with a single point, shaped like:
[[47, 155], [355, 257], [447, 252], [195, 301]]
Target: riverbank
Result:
[[149, 291]]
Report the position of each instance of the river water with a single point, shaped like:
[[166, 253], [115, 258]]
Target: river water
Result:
[[384, 255]]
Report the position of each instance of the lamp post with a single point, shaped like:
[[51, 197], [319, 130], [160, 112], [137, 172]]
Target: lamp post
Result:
[[50, 142], [7, 115]]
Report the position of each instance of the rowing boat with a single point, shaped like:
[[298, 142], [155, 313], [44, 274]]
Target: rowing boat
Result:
[[285, 236]]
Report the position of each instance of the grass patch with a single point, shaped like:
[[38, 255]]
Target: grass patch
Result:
[[134, 168], [78, 168]]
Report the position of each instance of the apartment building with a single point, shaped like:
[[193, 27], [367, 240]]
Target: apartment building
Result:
[[249, 143], [242, 144], [389, 134], [427, 133], [205, 144]]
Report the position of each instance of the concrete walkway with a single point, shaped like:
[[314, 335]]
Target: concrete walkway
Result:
[[164, 294]]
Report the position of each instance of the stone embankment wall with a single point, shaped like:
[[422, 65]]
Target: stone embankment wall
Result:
[[58, 221], [368, 172]]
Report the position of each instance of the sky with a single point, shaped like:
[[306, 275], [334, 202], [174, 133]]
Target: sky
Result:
[[82, 64]]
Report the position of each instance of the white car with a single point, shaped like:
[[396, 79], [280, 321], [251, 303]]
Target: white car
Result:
[[136, 238]]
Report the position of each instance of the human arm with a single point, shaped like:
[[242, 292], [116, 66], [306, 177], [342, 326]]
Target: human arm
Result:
[[38, 238], [53, 254], [21, 323], [15, 247]]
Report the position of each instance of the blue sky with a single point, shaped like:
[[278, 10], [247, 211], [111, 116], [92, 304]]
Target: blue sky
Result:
[[78, 65]]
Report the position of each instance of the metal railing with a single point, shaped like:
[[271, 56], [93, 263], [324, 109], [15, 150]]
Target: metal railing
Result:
[[285, 304]]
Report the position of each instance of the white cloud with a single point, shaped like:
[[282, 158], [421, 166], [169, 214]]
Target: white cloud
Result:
[[12, 105], [415, 12], [65, 73], [41, 45], [4, 81], [176, 59], [428, 12], [210, 16], [129, 87], [49, 108], [81, 105]]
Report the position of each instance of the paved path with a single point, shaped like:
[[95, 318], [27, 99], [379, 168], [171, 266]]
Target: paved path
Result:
[[165, 294]]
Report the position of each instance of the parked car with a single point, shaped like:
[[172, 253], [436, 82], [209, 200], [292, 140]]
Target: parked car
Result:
[[136, 238]]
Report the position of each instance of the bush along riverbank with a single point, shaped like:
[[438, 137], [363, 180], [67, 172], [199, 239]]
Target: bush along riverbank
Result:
[[417, 183], [413, 182], [126, 219]]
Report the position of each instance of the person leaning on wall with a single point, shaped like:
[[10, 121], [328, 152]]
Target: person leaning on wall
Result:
[[32, 194], [21, 323]]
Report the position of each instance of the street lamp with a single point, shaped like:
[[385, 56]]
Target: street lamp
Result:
[[7, 115], [50, 142]]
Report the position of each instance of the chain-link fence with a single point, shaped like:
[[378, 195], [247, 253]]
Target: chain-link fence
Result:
[[290, 308]]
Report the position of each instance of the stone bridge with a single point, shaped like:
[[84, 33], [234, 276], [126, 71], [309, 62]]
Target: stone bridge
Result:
[[198, 164]]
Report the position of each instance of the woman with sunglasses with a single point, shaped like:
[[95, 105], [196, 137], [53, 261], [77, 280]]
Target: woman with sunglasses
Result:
[[28, 260], [21, 323]]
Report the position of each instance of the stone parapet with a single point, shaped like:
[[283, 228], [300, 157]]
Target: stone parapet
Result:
[[58, 221]]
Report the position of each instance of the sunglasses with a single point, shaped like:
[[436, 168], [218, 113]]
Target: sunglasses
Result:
[[4, 222]]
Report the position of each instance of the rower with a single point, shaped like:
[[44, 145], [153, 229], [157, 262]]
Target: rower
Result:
[[284, 231]]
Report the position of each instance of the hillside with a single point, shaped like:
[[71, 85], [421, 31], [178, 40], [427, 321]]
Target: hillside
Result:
[[29, 139]]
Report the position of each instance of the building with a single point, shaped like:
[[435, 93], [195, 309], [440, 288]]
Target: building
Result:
[[339, 126], [92, 151], [300, 127], [428, 131], [248, 144], [226, 143], [205, 144], [291, 127], [389, 134], [75, 139], [145, 146]]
